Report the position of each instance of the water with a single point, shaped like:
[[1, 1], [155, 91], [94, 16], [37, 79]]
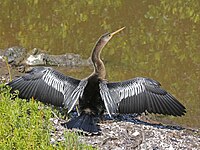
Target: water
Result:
[[161, 39]]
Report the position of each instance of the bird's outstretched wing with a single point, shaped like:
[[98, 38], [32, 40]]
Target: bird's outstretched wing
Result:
[[139, 95], [49, 86]]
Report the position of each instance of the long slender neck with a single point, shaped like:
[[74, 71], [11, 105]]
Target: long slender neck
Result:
[[99, 68]]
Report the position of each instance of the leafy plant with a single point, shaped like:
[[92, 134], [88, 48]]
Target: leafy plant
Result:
[[27, 125]]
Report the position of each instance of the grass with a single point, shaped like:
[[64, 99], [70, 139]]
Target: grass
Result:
[[26, 125]]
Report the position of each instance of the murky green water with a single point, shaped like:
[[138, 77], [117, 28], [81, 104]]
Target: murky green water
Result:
[[161, 39]]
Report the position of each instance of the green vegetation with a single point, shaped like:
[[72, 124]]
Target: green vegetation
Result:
[[26, 125]]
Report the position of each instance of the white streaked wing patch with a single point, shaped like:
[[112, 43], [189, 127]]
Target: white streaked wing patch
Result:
[[71, 92], [50, 79], [76, 94], [131, 89], [110, 103], [106, 101]]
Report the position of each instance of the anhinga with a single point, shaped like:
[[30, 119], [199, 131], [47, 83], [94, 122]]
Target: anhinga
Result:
[[94, 94]]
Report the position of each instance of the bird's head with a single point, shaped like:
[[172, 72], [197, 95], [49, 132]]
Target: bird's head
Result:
[[106, 37]]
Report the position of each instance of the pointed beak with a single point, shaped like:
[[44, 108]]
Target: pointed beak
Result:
[[113, 33]]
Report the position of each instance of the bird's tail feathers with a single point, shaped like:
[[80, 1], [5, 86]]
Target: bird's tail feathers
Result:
[[85, 122]]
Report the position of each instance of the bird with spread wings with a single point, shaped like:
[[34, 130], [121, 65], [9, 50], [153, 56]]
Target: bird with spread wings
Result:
[[94, 95]]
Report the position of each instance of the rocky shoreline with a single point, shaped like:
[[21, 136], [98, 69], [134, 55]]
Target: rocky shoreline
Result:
[[128, 132], [18, 56]]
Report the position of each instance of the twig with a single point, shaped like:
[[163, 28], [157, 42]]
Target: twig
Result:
[[8, 67], [54, 114]]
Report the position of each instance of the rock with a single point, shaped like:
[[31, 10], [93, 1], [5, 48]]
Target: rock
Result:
[[15, 55], [34, 60], [18, 56], [69, 59]]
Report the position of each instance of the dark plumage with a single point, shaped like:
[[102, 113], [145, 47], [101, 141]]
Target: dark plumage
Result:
[[94, 94]]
